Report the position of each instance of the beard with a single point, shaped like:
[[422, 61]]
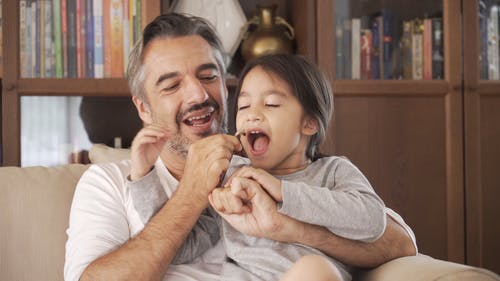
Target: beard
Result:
[[179, 143]]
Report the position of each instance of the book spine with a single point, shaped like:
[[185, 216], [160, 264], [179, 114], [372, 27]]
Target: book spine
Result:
[[366, 54], [98, 40], [356, 49], [116, 18], [406, 47], [427, 51], [387, 43], [28, 44], [493, 60], [71, 39], [80, 39], [126, 35], [48, 39], [39, 33], [376, 50], [417, 50], [22, 38], [58, 39], [64, 38], [438, 51], [89, 45], [106, 17], [34, 40]]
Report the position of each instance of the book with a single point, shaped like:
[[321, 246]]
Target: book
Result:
[[376, 49], [437, 49], [64, 38], [406, 50], [57, 38], [366, 45], [339, 60], [417, 49], [116, 38], [386, 27], [89, 41], [492, 33], [48, 48], [98, 39], [427, 49], [22, 39], [356, 48], [346, 48], [71, 39]]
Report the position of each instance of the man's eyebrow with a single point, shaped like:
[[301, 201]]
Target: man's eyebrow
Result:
[[207, 66], [165, 77]]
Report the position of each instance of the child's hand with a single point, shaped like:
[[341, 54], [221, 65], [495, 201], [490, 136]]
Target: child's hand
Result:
[[229, 200], [270, 183]]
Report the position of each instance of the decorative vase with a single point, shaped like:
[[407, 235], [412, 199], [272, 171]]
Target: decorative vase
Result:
[[271, 35], [226, 16]]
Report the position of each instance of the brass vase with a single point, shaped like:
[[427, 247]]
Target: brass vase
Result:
[[270, 34]]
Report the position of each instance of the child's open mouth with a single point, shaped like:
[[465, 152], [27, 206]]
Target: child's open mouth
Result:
[[259, 142]]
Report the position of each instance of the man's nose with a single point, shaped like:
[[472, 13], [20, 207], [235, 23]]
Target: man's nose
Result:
[[195, 92]]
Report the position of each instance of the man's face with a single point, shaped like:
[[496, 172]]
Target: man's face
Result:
[[185, 91]]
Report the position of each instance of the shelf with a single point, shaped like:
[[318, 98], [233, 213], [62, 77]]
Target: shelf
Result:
[[390, 87], [73, 87]]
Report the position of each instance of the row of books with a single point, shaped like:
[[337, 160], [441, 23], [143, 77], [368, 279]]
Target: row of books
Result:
[[371, 47], [77, 38], [489, 26]]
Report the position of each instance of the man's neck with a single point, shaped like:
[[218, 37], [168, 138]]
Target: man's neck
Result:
[[174, 163]]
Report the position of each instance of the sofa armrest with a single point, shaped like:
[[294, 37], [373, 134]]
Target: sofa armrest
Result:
[[422, 267]]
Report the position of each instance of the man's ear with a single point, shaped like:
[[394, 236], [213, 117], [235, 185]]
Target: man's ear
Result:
[[143, 110], [310, 126]]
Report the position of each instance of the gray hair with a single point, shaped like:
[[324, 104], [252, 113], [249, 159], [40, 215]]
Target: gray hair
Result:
[[169, 25]]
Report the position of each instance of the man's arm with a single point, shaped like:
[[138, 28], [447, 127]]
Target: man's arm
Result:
[[394, 243]]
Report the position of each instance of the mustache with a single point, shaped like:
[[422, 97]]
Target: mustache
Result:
[[208, 103]]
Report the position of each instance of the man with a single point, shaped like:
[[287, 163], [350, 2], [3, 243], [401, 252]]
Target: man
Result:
[[177, 79]]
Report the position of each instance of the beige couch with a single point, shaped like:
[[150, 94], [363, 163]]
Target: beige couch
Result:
[[34, 206]]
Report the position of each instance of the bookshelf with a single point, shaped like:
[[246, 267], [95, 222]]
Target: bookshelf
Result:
[[428, 146]]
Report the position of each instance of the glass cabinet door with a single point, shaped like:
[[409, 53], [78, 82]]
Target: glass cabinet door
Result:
[[388, 40]]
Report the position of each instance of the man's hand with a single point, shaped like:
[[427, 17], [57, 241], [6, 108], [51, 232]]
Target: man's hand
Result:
[[146, 148], [207, 161]]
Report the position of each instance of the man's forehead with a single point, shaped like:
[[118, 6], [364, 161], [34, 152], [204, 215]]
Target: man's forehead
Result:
[[180, 50]]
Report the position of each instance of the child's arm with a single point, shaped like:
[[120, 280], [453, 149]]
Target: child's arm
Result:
[[149, 196], [348, 206]]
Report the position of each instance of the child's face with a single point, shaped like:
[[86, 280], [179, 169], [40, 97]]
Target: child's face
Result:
[[277, 130]]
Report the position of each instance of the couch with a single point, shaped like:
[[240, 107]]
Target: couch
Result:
[[34, 211]]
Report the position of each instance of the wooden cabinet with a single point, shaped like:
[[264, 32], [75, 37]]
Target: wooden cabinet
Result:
[[429, 147]]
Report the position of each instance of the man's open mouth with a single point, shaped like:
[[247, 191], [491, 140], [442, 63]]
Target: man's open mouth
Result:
[[199, 118], [258, 140]]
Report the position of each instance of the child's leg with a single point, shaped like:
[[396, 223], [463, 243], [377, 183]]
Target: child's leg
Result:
[[312, 268]]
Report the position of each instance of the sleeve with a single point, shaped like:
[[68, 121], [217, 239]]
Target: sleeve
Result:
[[347, 205], [98, 222], [149, 196]]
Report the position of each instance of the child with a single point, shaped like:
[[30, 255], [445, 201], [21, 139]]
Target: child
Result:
[[283, 108]]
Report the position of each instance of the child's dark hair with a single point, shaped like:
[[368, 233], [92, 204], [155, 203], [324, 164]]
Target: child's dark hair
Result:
[[307, 83]]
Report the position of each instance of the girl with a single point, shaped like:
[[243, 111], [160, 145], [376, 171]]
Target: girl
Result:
[[284, 105]]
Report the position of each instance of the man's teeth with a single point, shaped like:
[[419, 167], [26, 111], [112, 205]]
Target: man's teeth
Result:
[[198, 117]]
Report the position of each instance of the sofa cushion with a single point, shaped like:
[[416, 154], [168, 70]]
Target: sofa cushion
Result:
[[101, 153], [34, 212]]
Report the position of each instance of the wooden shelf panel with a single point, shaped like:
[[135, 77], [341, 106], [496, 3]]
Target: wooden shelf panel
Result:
[[390, 87], [73, 87], [490, 88]]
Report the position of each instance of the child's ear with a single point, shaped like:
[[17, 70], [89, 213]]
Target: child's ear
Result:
[[310, 126], [143, 110]]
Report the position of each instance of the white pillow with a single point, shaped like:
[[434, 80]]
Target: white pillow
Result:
[[101, 153]]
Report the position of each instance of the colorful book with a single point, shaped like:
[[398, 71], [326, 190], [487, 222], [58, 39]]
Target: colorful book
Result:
[[64, 38], [22, 39], [116, 38], [98, 39], [406, 50], [366, 45]]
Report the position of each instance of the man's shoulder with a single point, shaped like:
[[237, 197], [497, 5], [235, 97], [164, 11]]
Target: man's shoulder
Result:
[[108, 171]]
